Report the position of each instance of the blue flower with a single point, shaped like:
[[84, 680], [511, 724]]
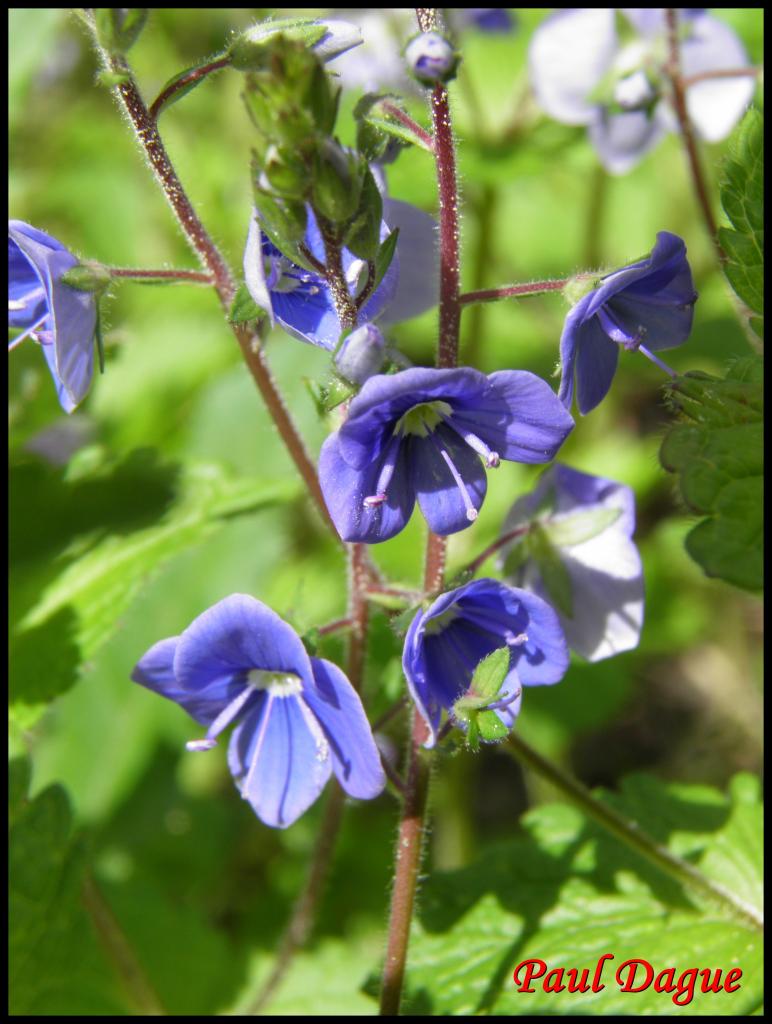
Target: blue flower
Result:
[[651, 302], [582, 73], [425, 434], [299, 718], [61, 319], [575, 549], [301, 301], [447, 641]]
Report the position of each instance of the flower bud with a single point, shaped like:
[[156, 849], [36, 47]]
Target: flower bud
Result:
[[431, 58], [337, 182], [118, 28], [362, 354]]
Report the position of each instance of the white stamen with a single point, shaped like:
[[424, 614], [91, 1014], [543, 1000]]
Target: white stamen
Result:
[[200, 744]]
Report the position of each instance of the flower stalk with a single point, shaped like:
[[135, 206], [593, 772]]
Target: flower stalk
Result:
[[631, 835]]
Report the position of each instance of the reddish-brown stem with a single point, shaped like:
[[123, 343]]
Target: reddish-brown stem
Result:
[[337, 626], [708, 76], [411, 828], [407, 866], [484, 555], [147, 135], [194, 75], [194, 276], [130, 971], [673, 69], [445, 156], [510, 291], [304, 912], [407, 122]]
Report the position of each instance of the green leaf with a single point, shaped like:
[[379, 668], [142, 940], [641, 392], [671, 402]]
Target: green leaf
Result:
[[376, 124], [578, 527], [568, 892], [80, 564], [742, 196], [244, 309], [56, 966], [363, 234], [717, 450]]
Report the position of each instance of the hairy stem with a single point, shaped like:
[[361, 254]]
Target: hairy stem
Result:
[[197, 236], [445, 156], [513, 291], [120, 953], [411, 828], [132, 273], [484, 555], [304, 913], [673, 69], [631, 835]]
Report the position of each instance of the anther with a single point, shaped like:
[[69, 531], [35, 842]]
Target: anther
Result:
[[200, 744], [373, 500]]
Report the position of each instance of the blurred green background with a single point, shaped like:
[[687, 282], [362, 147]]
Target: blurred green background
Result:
[[186, 867]]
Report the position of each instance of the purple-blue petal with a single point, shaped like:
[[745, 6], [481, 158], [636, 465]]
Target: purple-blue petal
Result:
[[336, 705], [345, 488], [521, 417], [277, 761], [234, 636], [441, 499], [155, 670], [596, 364]]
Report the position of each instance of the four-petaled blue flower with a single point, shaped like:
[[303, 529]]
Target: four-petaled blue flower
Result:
[[447, 641], [648, 305], [299, 718], [428, 435], [582, 73], [301, 301], [588, 524], [60, 318]]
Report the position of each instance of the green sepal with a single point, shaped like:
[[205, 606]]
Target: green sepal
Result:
[[490, 674], [284, 222], [337, 182], [88, 277], [364, 232], [473, 734], [244, 309], [579, 526], [310, 640], [577, 287], [252, 49], [287, 172], [491, 728], [386, 251]]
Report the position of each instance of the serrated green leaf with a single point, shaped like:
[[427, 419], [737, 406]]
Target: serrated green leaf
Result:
[[569, 892], [76, 602], [490, 674], [56, 966], [579, 526], [717, 451], [742, 196]]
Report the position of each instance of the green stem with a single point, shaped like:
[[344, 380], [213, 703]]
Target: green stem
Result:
[[153, 276], [631, 835]]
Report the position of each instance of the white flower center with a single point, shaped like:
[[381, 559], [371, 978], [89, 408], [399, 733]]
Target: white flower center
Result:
[[278, 684]]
